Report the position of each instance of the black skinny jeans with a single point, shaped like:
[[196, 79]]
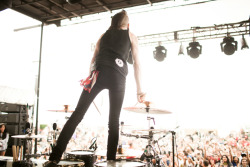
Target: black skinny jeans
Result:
[[112, 80]]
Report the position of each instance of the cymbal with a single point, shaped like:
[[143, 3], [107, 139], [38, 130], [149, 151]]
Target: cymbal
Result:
[[143, 110], [65, 109], [150, 130], [28, 136]]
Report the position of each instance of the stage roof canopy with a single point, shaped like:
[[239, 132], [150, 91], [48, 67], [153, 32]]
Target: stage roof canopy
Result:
[[53, 11]]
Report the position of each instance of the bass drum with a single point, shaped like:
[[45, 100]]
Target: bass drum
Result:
[[88, 157], [122, 163]]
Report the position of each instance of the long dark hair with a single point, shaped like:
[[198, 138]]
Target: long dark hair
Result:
[[4, 132], [234, 160], [228, 161], [118, 20]]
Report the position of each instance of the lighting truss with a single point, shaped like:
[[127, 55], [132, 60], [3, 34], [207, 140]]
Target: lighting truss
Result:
[[201, 33]]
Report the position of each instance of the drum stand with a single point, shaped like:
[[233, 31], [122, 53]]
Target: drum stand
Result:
[[153, 160], [25, 156]]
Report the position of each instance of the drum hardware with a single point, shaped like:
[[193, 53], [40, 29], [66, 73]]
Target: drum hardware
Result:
[[88, 157], [148, 156], [151, 159], [173, 144], [136, 136], [27, 148], [66, 163], [52, 136]]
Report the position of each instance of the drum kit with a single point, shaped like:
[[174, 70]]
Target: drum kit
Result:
[[149, 158]]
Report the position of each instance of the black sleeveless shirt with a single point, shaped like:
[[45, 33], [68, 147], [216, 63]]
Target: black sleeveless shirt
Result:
[[114, 50]]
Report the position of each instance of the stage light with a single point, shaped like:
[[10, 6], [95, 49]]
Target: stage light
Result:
[[73, 1], [194, 49], [230, 45], [181, 52], [244, 43], [160, 53]]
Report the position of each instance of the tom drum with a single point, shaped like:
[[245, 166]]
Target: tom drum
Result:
[[88, 157]]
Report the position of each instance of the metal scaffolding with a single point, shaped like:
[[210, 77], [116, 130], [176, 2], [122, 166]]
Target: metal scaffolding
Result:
[[196, 34]]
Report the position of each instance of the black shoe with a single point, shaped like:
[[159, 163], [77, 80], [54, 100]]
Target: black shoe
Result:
[[50, 164]]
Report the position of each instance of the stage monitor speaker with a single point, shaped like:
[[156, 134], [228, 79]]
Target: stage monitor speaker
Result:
[[7, 107], [15, 130], [14, 118]]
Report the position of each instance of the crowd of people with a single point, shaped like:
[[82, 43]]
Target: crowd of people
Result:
[[195, 148], [192, 149], [211, 150]]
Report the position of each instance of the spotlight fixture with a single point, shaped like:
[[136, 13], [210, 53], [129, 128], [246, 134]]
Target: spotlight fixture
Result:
[[160, 53], [194, 49], [181, 52], [230, 45], [73, 1], [244, 43]]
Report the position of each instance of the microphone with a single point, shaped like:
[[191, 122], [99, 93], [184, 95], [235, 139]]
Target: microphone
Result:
[[27, 128], [54, 136], [54, 126], [122, 123]]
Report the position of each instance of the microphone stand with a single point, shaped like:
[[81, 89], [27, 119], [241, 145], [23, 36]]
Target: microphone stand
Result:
[[173, 142]]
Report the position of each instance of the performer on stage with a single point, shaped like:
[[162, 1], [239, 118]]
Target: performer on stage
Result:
[[4, 138], [108, 70]]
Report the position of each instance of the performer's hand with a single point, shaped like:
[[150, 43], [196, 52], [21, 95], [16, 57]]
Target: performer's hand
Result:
[[141, 97]]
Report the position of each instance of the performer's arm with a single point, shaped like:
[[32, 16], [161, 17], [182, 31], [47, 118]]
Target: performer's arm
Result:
[[96, 52], [137, 67]]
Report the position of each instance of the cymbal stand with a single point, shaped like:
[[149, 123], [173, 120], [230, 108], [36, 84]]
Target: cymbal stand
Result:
[[27, 148], [149, 148], [26, 153], [150, 133]]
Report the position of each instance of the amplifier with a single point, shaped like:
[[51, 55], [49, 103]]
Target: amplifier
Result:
[[15, 141], [14, 130], [13, 118], [7, 107]]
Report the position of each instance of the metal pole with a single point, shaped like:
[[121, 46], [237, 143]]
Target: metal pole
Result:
[[38, 85], [173, 143]]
